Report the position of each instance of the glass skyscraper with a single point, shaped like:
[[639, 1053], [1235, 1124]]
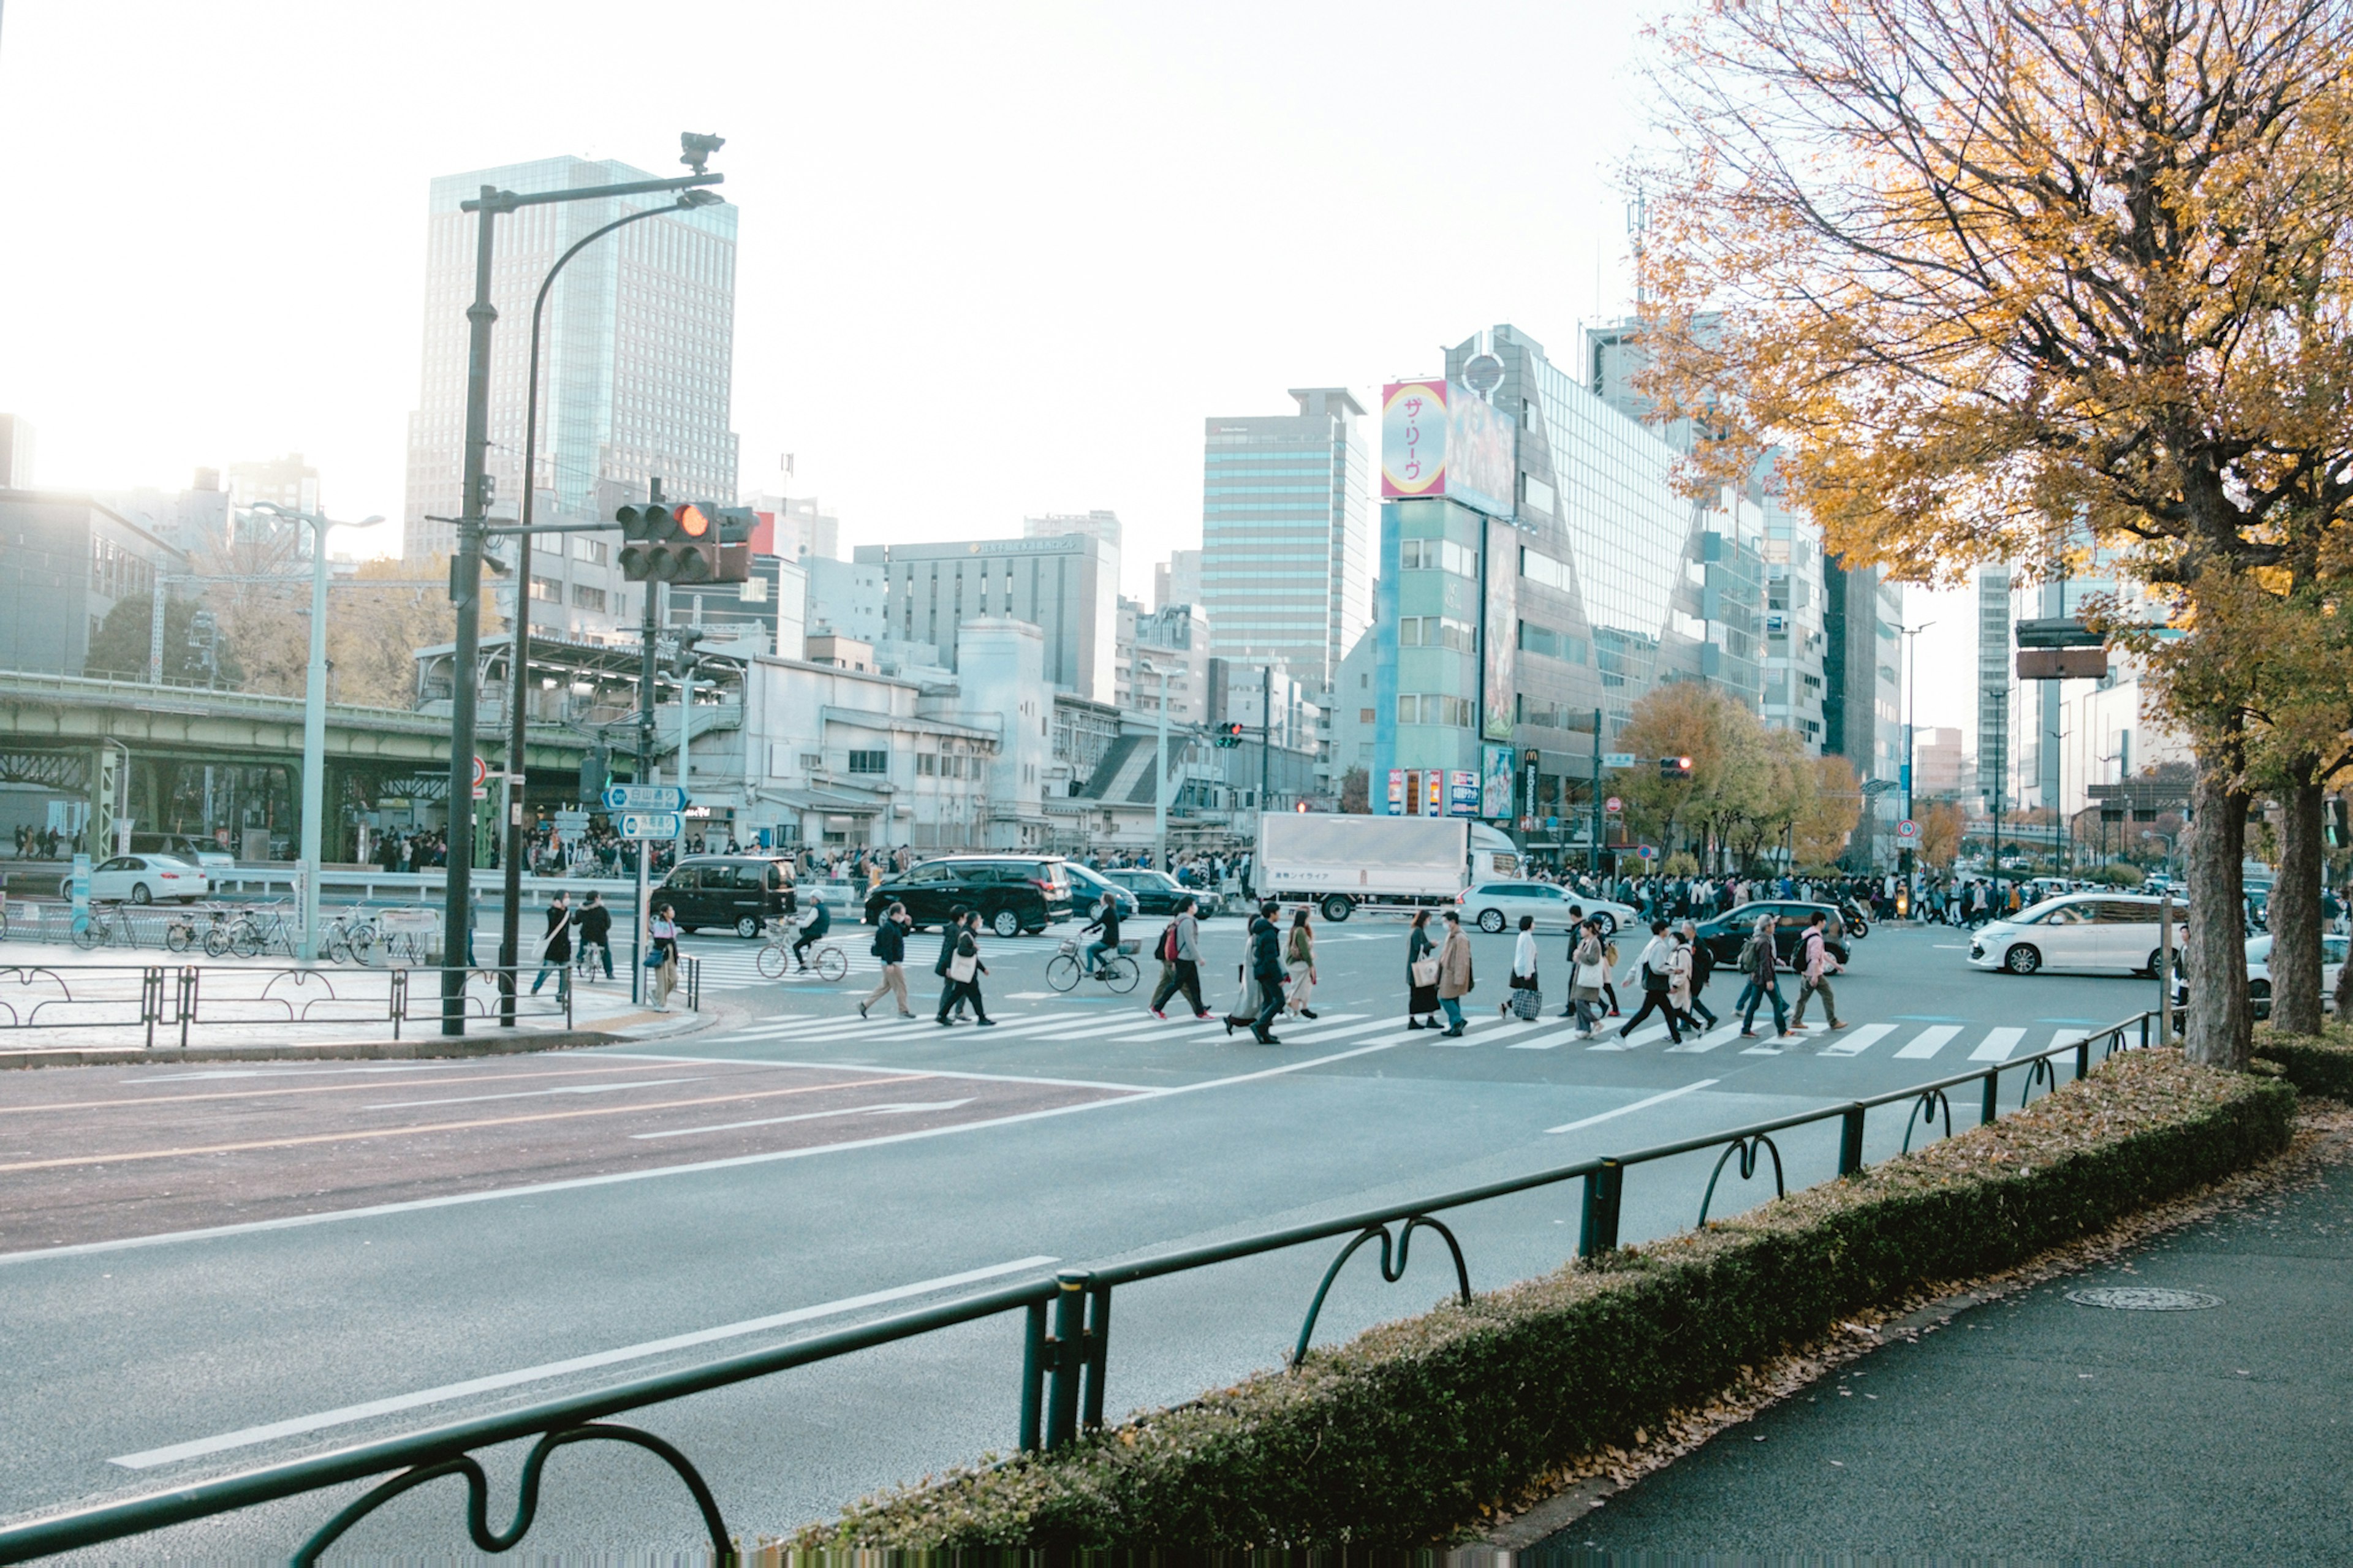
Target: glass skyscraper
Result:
[[636, 358], [1286, 535]]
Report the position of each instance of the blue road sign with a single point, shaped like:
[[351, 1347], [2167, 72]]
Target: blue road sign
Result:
[[645, 797]]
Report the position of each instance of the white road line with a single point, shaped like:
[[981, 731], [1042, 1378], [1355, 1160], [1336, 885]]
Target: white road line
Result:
[[246, 1438], [1546, 1042], [913, 1073], [532, 1093], [1929, 1043], [1632, 1041], [905, 1107], [1638, 1105], [1858, 1040], [1998, 1045], [1707, 1042], [1317, 1034]]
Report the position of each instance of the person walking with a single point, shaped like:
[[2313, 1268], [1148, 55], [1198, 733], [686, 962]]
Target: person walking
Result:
[[1589, 967], [1679, 980], [891, 947], [1656, 964], [1266, 970], [1455, 977], [555, 947], [951, 998], [1703, 964], [596, 932], [1182, 968], [661, 954], [1299, 959], [964, 970], [1246, 1007], [1760, 962], [1523, 973], [1815, 960], [1420, 974]]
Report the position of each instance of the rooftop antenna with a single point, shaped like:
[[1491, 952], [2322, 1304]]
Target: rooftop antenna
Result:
[[1638, 222]]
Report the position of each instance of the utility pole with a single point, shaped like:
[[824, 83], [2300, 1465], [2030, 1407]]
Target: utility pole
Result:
[[1265, 731], [647, 671], [1593, 849]]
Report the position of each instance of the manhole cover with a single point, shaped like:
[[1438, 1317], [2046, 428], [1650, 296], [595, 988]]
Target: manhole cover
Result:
[[2145, 1299]]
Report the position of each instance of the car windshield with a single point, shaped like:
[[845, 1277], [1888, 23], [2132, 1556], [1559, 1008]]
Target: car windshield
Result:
[[2259, 950]]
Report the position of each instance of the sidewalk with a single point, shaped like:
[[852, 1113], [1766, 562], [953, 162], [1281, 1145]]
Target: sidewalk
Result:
[[59, 1005], [2036, 1428]]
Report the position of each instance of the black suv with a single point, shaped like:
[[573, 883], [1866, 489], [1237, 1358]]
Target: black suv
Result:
[[1727, 933], [743, 892], [1016, 894]]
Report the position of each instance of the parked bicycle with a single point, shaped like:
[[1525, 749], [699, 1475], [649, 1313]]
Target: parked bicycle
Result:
[[1117, 970], [251, 932], [350, 936], [776, 955]]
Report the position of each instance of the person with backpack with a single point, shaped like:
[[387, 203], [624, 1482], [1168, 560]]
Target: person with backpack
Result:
[[891, 947], [1299, 960], [964, 970], [1656, 965], [1180, 960], [1760, 962], [1817, 965], [556, 948]]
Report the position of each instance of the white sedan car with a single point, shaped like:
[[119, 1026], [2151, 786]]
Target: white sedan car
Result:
[[2259, 973], [143, 879], [1498, 906]]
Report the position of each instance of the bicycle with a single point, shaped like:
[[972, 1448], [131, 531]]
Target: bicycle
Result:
[[351, 935], [1118, 970], [830, 962], [252, 932]]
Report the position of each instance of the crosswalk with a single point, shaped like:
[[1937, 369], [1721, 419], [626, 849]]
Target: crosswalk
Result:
[[736, 965], [1907, 1040]]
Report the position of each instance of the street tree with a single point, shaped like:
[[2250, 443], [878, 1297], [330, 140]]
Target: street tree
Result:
[[1940, 834], [1818, 834], [2020, 279]]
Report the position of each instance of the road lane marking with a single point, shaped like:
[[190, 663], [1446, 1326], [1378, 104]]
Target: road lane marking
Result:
[[537, 1093], [904, 1108], [308, 1089], [1638, 1105], [1998, 1045], [1707, 1042], [361, 1134], [1131, 1093], [935, 1072], [247, 1436], [1929, 1043], [1547, 1042], [1858, 1040]]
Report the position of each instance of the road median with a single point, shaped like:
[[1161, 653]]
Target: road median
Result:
[[1419, 1430]]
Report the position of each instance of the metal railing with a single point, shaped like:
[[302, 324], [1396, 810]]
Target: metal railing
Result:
[[1066, 1340], [168, 997]]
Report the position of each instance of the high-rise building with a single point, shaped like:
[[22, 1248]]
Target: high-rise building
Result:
[[1177, 580], [1067, 585], [636, 358], [1994, 787], [1103, 525], [1174, 641], [1287, 534], [15, 452], [286, 481]]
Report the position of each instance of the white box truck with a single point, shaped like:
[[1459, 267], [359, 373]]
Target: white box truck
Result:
[[1340, 862]]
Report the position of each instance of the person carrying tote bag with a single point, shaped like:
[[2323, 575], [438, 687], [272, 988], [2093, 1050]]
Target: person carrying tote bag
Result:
[[1422, 975], [1589, 967], [1526, 999]]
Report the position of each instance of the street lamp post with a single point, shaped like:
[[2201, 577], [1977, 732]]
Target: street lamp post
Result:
[[1911, 681], [466, 569], [314, 723], [1160, 774]]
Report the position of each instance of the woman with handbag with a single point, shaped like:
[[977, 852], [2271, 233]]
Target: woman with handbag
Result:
[[661, 955], [1299, 959], [1526, 1000], [1589, 967], [1420, 975]]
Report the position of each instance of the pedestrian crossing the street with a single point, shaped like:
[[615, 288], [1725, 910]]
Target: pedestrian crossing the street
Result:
[[736, 966]]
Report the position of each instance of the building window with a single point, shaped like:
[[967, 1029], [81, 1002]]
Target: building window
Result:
[[870, 762], [1437, 555], [547, 590], [1365, 715], [1435, 631], [1538, 567], [584, 597], [1424, 707]]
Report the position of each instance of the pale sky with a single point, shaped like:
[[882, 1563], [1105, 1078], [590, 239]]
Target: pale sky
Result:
[[994, 260]]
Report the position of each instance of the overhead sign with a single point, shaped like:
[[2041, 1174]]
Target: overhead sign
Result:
[[1908, 829], [656, 824], [1617, 759], [645, 797]]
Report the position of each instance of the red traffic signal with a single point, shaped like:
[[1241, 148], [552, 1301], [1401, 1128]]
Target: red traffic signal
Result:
[[1674, 767], [691, 542]]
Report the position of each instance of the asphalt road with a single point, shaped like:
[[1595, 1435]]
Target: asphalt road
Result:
[[320, 1254]]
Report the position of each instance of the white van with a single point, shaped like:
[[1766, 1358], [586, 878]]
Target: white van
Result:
[[2113, 931]]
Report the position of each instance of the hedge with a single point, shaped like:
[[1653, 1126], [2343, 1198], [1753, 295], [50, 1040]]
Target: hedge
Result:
[[1411, 1432], [2318, 1064]]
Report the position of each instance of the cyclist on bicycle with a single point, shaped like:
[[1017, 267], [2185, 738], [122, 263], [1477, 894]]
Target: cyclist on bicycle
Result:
[[596, 933], [1106, 921], [819, 923]]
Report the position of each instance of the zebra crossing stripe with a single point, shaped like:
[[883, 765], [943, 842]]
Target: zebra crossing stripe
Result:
[[1998, 1045], [1929, 1043], [1546, 1042], [1631, 1042], [1708, 1041], [1857, 1040]]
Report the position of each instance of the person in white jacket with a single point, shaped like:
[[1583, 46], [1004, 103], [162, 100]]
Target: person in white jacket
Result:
[[1524, 962], [1655, 970]]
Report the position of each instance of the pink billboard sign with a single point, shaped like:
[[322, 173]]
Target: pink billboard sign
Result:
[[1413, 438]]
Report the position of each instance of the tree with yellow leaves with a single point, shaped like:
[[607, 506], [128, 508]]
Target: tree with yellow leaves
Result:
[[2015, 279]]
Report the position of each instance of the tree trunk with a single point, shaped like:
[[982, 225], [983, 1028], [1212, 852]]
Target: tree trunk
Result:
[[2295, 914], [2215, 949]]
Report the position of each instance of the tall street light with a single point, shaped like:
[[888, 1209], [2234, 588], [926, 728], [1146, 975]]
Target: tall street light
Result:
[[518, 648], [314, 721], [472, 526], [1160, 773], [1911, 679]]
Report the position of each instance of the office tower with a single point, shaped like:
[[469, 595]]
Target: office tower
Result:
[[69, 561], [1177, 580], [1103, 525], [636, 358], [286, 481], [15, 452], [1286, 534], [1995, 787], [1067, 585]]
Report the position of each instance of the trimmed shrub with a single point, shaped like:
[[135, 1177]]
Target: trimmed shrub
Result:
[[1407, 1434], [2318, 1064]]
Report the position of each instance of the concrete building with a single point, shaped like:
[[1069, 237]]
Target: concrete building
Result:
[[637, 352], [1995, 677], [797, 528], [1940, 768], [1067, 585], [1177, 580], [195, 521], [286, 481], [65, 562], [1103, 525], [1862, 660], [1287, 533], [1794, 694], [16, 451], [848, 598], [1175, 640]]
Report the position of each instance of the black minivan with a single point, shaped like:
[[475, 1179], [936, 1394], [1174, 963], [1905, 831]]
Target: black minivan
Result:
[[1015, 894], [744, 891]]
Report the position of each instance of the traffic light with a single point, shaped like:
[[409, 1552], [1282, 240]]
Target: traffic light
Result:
[[1674, 767], [690, 541], [1229, 734]]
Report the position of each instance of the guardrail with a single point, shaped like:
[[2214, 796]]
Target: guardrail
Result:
[[1065, 1347], [149, 997]]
